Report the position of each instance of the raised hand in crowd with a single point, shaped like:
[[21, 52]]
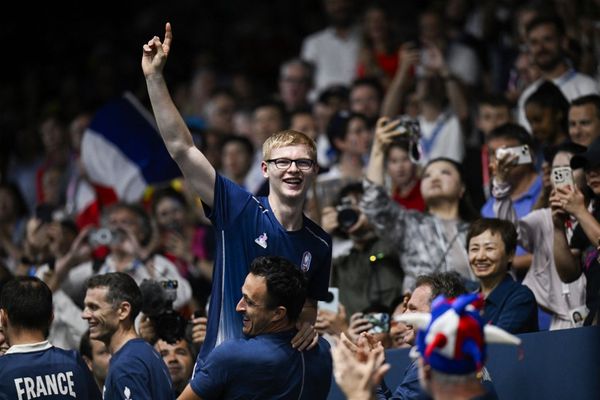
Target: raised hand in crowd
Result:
[[329, 219], [359, 370], [358, 325], [500, 167], [569, 199], [330, 322], [78, 252], [385, 132], [146, 329], [199, 330]]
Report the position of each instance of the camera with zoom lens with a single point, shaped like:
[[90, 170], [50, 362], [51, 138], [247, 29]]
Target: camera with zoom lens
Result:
[[347, 214], [157, 304], [410, 131]]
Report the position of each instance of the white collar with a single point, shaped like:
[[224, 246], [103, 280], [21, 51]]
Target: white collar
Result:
[[28, 348]]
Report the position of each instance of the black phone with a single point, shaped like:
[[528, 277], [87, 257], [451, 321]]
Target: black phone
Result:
[[44, 212], [380, 322]]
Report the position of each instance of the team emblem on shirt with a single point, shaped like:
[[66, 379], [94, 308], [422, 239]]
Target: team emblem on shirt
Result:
[[127, 393], [262, 240], [306, 259]]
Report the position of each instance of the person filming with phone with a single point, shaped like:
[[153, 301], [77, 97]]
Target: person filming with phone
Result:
[[579, 255], [535, 234], [523, 178]]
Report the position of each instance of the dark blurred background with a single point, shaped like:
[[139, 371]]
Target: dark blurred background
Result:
[[80, 54]]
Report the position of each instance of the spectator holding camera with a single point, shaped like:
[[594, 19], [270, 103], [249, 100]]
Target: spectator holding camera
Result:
[[53, 247], [374, 320], [351, 137], [370, 272], [426, 242], [578, 255], [183, 241], [523, 178], [535, 233], [443, 106], [402, 172], [128, 230]]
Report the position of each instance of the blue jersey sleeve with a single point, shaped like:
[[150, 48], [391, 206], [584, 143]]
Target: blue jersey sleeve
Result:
[[131, 382], [318, 284], [229, 201], [211, 380], [318, 281]]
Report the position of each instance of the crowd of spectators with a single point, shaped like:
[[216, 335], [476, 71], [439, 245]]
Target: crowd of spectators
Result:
[[412, 106]]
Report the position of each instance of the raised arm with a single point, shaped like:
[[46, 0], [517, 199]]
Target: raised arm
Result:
[[567, 264], [409, 57], [572, 201], [503, 206], [196, 169], [385, 131]]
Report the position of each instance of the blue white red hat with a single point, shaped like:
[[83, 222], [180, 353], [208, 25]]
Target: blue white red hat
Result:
[[452, 339]]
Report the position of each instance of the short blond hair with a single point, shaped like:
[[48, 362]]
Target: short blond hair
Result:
[[289, 137]]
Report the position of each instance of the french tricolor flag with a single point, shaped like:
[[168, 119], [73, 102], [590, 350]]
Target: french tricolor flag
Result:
[[122, 153]]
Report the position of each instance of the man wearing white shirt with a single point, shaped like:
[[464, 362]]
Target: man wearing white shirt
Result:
[[546, 41], [334, 50]]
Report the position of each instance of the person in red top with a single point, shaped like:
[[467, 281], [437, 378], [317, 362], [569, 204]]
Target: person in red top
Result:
[[402, 171]]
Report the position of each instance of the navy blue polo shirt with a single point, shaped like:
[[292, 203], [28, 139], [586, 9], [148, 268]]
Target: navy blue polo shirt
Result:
[[265, 367], [512, 307]]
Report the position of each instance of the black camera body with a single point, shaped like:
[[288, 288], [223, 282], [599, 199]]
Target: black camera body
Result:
[[347, 214], [157, 304], [410, 131]]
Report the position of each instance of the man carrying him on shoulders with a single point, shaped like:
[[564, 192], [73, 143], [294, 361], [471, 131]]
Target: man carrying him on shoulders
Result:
[[264, 365]]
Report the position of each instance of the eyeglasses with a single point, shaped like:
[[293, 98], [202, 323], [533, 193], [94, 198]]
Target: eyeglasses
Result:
[[303, 164]]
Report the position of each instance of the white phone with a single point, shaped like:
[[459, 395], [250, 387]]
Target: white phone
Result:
[[561, 177], [522, 152], [334, 303]]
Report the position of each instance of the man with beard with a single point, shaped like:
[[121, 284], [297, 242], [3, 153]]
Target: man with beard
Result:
[[546, 41]]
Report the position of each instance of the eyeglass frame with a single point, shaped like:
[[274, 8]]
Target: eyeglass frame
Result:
[[275, 160]]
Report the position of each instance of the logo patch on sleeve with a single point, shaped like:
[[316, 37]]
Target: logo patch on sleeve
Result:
[[306, 259], [262, 240]]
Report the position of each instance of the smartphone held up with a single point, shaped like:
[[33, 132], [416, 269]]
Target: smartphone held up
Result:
[[520, 154]]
